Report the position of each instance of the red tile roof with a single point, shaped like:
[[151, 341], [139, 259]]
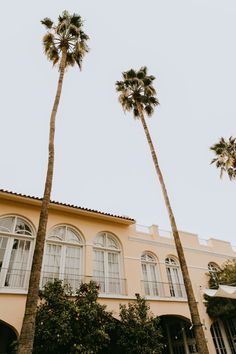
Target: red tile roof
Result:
[[68, 205]]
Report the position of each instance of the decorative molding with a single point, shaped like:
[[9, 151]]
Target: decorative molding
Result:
[[166, 245]]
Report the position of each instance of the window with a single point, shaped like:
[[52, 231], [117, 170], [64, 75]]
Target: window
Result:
[[16, 242], [63, 256], [218, 338], [106, 263], [152, 285], [213, 268], [174, 278]]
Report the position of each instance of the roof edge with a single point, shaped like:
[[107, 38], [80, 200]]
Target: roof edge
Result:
[[83, 211]]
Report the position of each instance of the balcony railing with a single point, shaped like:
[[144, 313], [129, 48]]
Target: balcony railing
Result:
[[166, 290], [19, 279], [111, 285]]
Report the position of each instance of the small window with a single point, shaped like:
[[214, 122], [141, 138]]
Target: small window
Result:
[[213, 269]]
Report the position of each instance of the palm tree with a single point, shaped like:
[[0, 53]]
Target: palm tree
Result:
[[137, 94], [65, 44], [225, 159]]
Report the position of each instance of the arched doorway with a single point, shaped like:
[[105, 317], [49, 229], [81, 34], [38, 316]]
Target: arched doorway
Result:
[[7, 337], [178, 334]]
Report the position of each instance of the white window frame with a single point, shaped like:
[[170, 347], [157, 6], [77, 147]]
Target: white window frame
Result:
[[153, 286], [106, 281], [51, 240], [10, 235], [176, 286]]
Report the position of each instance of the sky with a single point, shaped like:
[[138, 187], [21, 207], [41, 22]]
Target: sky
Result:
[[102, 158]]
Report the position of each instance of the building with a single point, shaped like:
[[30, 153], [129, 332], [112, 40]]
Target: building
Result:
[[84, 244]]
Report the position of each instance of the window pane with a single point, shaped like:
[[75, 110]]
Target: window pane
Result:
[[52, 263], [6, 224], [18, 264], [100, 240], [72, 236], [22, 227], [72, 273], [99, 269], [58, 233], [113, 273], [113, 266], [3, 244], [145, 279], [111, 242]]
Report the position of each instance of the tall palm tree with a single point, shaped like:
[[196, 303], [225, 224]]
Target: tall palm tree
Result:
[[65, 44], [225, 159], [137, 94]]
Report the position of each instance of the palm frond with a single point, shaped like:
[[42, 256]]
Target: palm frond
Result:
[[67, 35], [70, 60], [47, 22], [225, 158], [136, 90], [76, 20], [149, 110]]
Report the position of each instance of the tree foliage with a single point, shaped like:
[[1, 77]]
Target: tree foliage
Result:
[[136, 90], [140, 332], [225, 159], [66, 35], [218, 307], [80, 325], [93, 321], [66, 325], [55, 321]]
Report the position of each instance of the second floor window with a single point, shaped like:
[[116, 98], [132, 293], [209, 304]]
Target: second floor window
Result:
[[151, 283], [63, 256], [213, 268], [16, 246], [107, 263], [174, 277]]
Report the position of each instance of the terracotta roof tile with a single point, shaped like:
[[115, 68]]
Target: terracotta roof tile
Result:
[[68, 205]]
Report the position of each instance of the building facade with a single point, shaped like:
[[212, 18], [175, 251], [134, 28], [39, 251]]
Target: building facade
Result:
[[121, 256]]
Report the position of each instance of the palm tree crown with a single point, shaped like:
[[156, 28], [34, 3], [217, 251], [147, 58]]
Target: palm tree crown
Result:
[[67, 35], [225, 159], [137, 92]]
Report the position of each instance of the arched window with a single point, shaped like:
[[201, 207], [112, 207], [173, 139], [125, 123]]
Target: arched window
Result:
[[174, 277], [63, 256], [213, 268], [107, 263], [151, 282], [16, 242]]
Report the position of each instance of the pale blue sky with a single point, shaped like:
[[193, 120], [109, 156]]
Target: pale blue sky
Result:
[[102, 158]]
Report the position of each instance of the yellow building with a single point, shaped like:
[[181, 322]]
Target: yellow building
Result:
[[125, 259]]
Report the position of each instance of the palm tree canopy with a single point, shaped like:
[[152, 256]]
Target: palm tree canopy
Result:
[[66, 35], [225, 159], [136, 90]]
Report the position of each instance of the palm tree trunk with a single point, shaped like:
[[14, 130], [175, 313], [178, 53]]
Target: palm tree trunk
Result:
[[26, 338], [197, 326]]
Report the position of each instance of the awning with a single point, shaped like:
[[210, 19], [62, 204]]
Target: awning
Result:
[[225, 291]]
